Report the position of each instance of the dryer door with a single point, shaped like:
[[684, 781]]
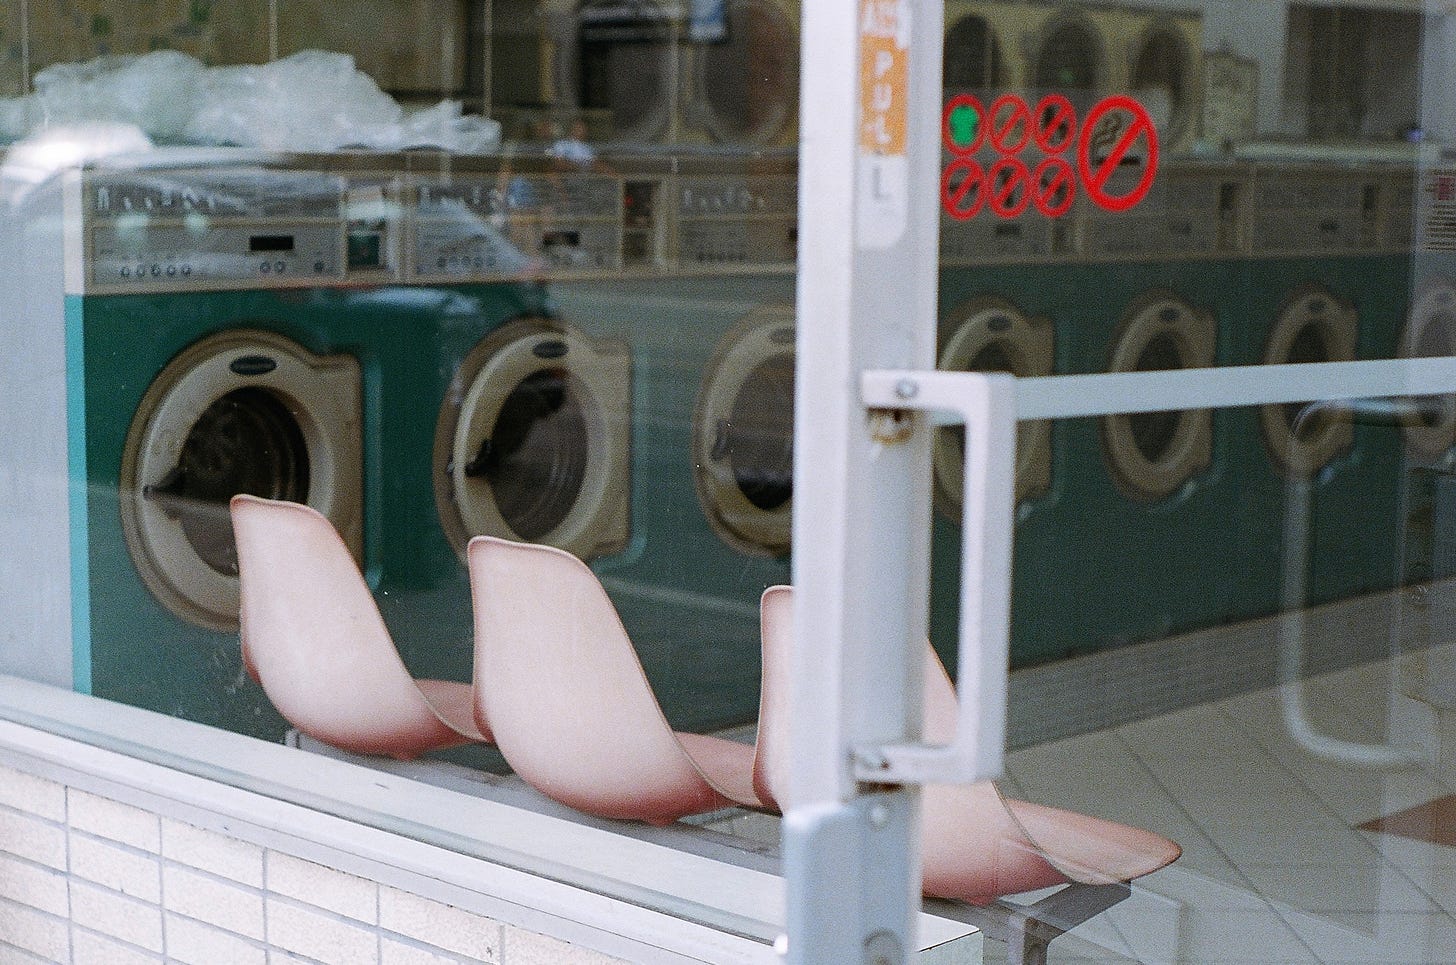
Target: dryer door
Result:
[[535, 444], [239, 412], [621, 61], [748, 82], [743, 434]]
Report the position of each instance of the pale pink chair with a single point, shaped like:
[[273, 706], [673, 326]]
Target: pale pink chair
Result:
[[977, 845], [313, 636], [569, 705]]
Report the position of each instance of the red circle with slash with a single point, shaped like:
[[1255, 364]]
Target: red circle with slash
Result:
[[1095, 179], [963, 199], [1016, 122], [1056, 124], [958, 102], [1051, 176], [1002, 182]]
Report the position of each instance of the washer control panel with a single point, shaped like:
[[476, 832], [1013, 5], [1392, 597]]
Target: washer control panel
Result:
[[158, 230]]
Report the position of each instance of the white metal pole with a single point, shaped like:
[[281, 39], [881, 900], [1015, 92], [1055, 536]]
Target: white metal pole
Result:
[[868, 216]]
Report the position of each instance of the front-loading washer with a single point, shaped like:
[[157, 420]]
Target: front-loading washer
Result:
[[206, 322], [241, 411]]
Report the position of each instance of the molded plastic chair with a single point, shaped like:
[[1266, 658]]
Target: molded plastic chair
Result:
[[977, 845], [313, 636], [569, 704]]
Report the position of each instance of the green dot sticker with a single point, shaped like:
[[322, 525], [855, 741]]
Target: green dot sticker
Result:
[[961, 126]]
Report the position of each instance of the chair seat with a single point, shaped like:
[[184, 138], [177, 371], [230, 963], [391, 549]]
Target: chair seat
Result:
[[728, 765], [979, 846], [454, 704]]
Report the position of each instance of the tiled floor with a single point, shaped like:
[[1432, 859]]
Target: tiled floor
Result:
[[1274, 869]]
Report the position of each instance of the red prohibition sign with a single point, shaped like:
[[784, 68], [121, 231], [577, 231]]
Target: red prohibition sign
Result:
[[1002, 183], [961, 102], [1017, 122], [1056, 124], [1095, 181], [1052, 176], [962, 199]]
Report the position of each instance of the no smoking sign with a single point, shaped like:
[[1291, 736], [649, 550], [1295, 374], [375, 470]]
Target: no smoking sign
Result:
[[1117, 133]]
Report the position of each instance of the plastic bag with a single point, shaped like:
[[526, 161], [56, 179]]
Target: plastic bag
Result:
[[313, 100]]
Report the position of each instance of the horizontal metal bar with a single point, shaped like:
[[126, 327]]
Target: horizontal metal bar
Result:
[[1080, 396]]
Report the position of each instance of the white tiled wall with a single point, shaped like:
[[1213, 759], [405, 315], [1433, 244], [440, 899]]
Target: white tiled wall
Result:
[[85, 879]]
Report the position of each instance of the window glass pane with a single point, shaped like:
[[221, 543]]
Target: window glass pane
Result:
[[527, 270]]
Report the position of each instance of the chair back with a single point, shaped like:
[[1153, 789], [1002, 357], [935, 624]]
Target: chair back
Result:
[[313, 636], [566, 697], [771, 763]]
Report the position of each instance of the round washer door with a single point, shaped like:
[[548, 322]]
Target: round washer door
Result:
[[748, 81], [536, 443], [1314, 327], [993, 335], [239, 412], [1151, 454], [743, 434], [1430, 333]]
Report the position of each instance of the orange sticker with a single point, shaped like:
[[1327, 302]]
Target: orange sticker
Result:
[[884, 76]]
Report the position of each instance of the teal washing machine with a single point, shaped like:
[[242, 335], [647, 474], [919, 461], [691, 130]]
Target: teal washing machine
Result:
[[656, 270], [211, 324], [1220, 265]]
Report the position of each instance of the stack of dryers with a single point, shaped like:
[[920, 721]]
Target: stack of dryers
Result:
[[1082, 51], [200, 324], [656, 72]]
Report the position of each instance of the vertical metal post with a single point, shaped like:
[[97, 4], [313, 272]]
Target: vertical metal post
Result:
[[868, 252]]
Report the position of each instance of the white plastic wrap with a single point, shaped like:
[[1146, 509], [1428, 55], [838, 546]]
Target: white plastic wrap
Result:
[[311, 101], [157, 92]]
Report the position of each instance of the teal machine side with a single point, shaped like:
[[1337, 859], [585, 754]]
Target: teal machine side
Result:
[[1091, 562], [78, 491]]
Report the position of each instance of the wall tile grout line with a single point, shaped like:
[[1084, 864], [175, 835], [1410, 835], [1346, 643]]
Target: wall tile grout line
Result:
[[213, 876], [70, 878], [131, 946], [33, 815], [8, 948]]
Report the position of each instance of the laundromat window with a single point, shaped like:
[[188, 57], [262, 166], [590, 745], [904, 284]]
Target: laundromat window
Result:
[[528, 271]]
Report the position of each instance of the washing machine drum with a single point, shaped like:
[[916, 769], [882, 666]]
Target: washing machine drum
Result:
[[1152, 454], [239, 412], [743, 434], [1314, 327], [535, 442]]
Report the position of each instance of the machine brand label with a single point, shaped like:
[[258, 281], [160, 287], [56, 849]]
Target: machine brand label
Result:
[[249, 365]]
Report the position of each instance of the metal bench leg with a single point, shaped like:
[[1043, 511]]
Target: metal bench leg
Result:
[[1027, 930]]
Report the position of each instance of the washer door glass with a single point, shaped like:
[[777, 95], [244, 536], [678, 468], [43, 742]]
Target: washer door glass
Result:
[[758, 435], [1153, 432], [246, 442], [535, 459]]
